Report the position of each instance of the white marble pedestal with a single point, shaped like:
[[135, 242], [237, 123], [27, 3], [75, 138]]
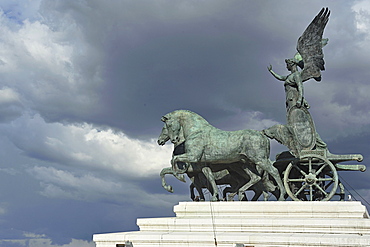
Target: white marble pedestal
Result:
[[247, 224]]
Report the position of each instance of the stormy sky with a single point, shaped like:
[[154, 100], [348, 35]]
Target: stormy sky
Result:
[[83, 85]]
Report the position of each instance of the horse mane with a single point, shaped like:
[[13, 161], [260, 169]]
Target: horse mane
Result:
[[181, 113]]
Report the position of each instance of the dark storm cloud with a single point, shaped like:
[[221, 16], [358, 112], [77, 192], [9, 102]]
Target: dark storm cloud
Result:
[[131, 62], [155, 57], [202, 63], [125, 64]]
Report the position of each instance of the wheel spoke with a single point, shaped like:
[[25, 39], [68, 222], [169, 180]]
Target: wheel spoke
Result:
[[321, 168], [296, 180], [300, 170], [311, 193], [322, 190], [309, 164], [300, 190], [325, 179]]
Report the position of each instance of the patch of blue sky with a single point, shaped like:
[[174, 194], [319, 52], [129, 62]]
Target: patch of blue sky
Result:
[[14, 16], [17, 11]]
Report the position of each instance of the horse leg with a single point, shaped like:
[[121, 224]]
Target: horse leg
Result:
[[167, 170], [224, 193], [263, 187], [258, 190], [211, 179], [246, 180], [199, 183], [265, 196], [253, 180], [192, 195], [235, 181], [180, 177], [270, 169], [232, 192]]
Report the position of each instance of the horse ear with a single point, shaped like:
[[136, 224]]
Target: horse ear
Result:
[[164, 119]]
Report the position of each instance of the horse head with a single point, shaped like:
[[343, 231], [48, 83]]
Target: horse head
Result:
[[163, 137], [173, 128]]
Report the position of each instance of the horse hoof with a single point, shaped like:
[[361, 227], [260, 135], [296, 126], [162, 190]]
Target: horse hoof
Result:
[[169, 189]]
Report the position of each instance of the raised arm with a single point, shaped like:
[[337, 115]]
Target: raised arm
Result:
[[277, 76]]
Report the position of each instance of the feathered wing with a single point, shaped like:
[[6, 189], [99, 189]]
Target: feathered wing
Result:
[[310, 45]]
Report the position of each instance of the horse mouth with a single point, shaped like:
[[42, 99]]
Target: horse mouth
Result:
[[175, 141]]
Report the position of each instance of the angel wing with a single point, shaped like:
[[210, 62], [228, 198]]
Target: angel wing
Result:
[[310, 44]]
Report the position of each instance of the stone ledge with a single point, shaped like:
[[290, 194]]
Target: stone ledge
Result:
[[291, 209], [257, 224], [282, 225], [153, 239]]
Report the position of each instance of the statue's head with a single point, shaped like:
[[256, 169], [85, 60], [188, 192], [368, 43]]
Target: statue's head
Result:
[[290, 64], [297, 60]]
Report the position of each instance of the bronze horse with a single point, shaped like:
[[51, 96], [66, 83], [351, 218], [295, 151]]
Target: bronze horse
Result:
[[205, 144]]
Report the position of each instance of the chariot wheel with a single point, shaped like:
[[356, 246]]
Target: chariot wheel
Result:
[[312, 178]]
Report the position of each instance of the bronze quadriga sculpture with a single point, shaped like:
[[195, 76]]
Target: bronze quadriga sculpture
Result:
[[308, 171]]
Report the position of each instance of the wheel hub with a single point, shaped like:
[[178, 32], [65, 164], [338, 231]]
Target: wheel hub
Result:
[[310, 178]]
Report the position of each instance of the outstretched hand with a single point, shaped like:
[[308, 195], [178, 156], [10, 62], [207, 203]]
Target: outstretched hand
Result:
[[269, 67]]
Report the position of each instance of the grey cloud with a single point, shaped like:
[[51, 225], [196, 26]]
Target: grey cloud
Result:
[[85, 147]]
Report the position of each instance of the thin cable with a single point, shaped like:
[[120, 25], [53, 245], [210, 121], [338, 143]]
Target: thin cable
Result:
[[213, 223], [210, 205], [354, 190]]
